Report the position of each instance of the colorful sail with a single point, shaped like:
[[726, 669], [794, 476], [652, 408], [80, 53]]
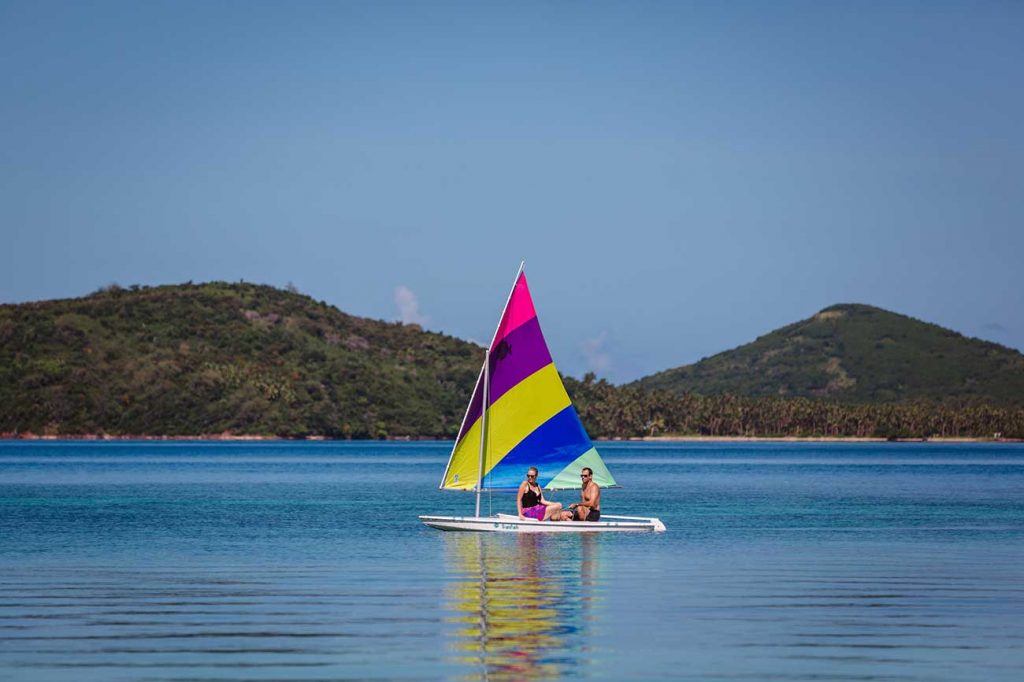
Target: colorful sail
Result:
[[530, 419]]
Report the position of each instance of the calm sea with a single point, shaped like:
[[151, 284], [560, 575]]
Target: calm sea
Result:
[[295, 561]]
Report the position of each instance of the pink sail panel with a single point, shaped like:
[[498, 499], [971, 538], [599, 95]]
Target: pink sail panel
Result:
[[518, 311]]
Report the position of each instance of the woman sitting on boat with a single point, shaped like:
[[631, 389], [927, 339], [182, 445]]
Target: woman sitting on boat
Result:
[[530, 500]]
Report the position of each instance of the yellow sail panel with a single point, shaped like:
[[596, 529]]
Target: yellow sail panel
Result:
[[465, 460], [513, 417]]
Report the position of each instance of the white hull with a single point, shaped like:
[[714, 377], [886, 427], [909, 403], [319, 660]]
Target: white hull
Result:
[[507, 523]]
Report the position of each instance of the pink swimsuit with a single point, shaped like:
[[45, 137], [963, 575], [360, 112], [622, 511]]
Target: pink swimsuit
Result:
[[536, 512]]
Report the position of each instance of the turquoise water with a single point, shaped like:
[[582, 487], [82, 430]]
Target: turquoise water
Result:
[[305, 561]]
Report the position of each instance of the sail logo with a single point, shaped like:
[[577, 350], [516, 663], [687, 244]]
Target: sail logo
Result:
[[503, 350]]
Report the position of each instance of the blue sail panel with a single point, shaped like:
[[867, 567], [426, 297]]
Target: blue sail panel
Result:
[[551, 447]]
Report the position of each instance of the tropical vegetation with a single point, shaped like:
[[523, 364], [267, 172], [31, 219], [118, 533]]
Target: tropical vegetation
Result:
[[855, 353], [201, 359], [245, 359], [630, 411]]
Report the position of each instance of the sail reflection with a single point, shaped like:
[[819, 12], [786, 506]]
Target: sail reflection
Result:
[[523, 603]]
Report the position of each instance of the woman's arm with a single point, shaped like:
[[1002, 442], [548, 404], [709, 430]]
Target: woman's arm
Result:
[[519, 500]]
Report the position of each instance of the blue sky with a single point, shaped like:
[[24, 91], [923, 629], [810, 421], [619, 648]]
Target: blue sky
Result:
[[680, 177]]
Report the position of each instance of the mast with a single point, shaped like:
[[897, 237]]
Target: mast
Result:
[[483, 427]]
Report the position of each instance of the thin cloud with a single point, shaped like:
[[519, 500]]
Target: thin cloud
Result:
[[595, 355], [408, 306]]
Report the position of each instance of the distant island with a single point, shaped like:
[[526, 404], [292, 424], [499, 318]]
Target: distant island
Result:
[[858, 354], [237, 360]]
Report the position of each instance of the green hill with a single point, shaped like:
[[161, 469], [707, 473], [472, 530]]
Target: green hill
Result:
[[194, 360], [210, 358], [857, 353]]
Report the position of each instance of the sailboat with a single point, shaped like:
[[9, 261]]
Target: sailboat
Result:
[[521, 416]]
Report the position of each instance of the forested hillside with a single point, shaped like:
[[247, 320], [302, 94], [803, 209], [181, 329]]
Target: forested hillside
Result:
[[209, 358], [858, 354], [242, 359], [630, 411]]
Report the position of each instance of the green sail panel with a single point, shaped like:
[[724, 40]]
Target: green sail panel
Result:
[[569, 477]]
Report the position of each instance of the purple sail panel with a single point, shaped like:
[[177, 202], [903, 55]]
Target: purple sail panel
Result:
[[514, 358]]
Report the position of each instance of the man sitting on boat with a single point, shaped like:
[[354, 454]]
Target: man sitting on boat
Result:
[[530, 502], [589, 507]]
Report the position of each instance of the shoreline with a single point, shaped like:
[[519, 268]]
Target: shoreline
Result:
[[819, 439], [231, 437]]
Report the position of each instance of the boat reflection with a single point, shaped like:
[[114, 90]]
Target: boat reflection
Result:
[[523, 603]]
